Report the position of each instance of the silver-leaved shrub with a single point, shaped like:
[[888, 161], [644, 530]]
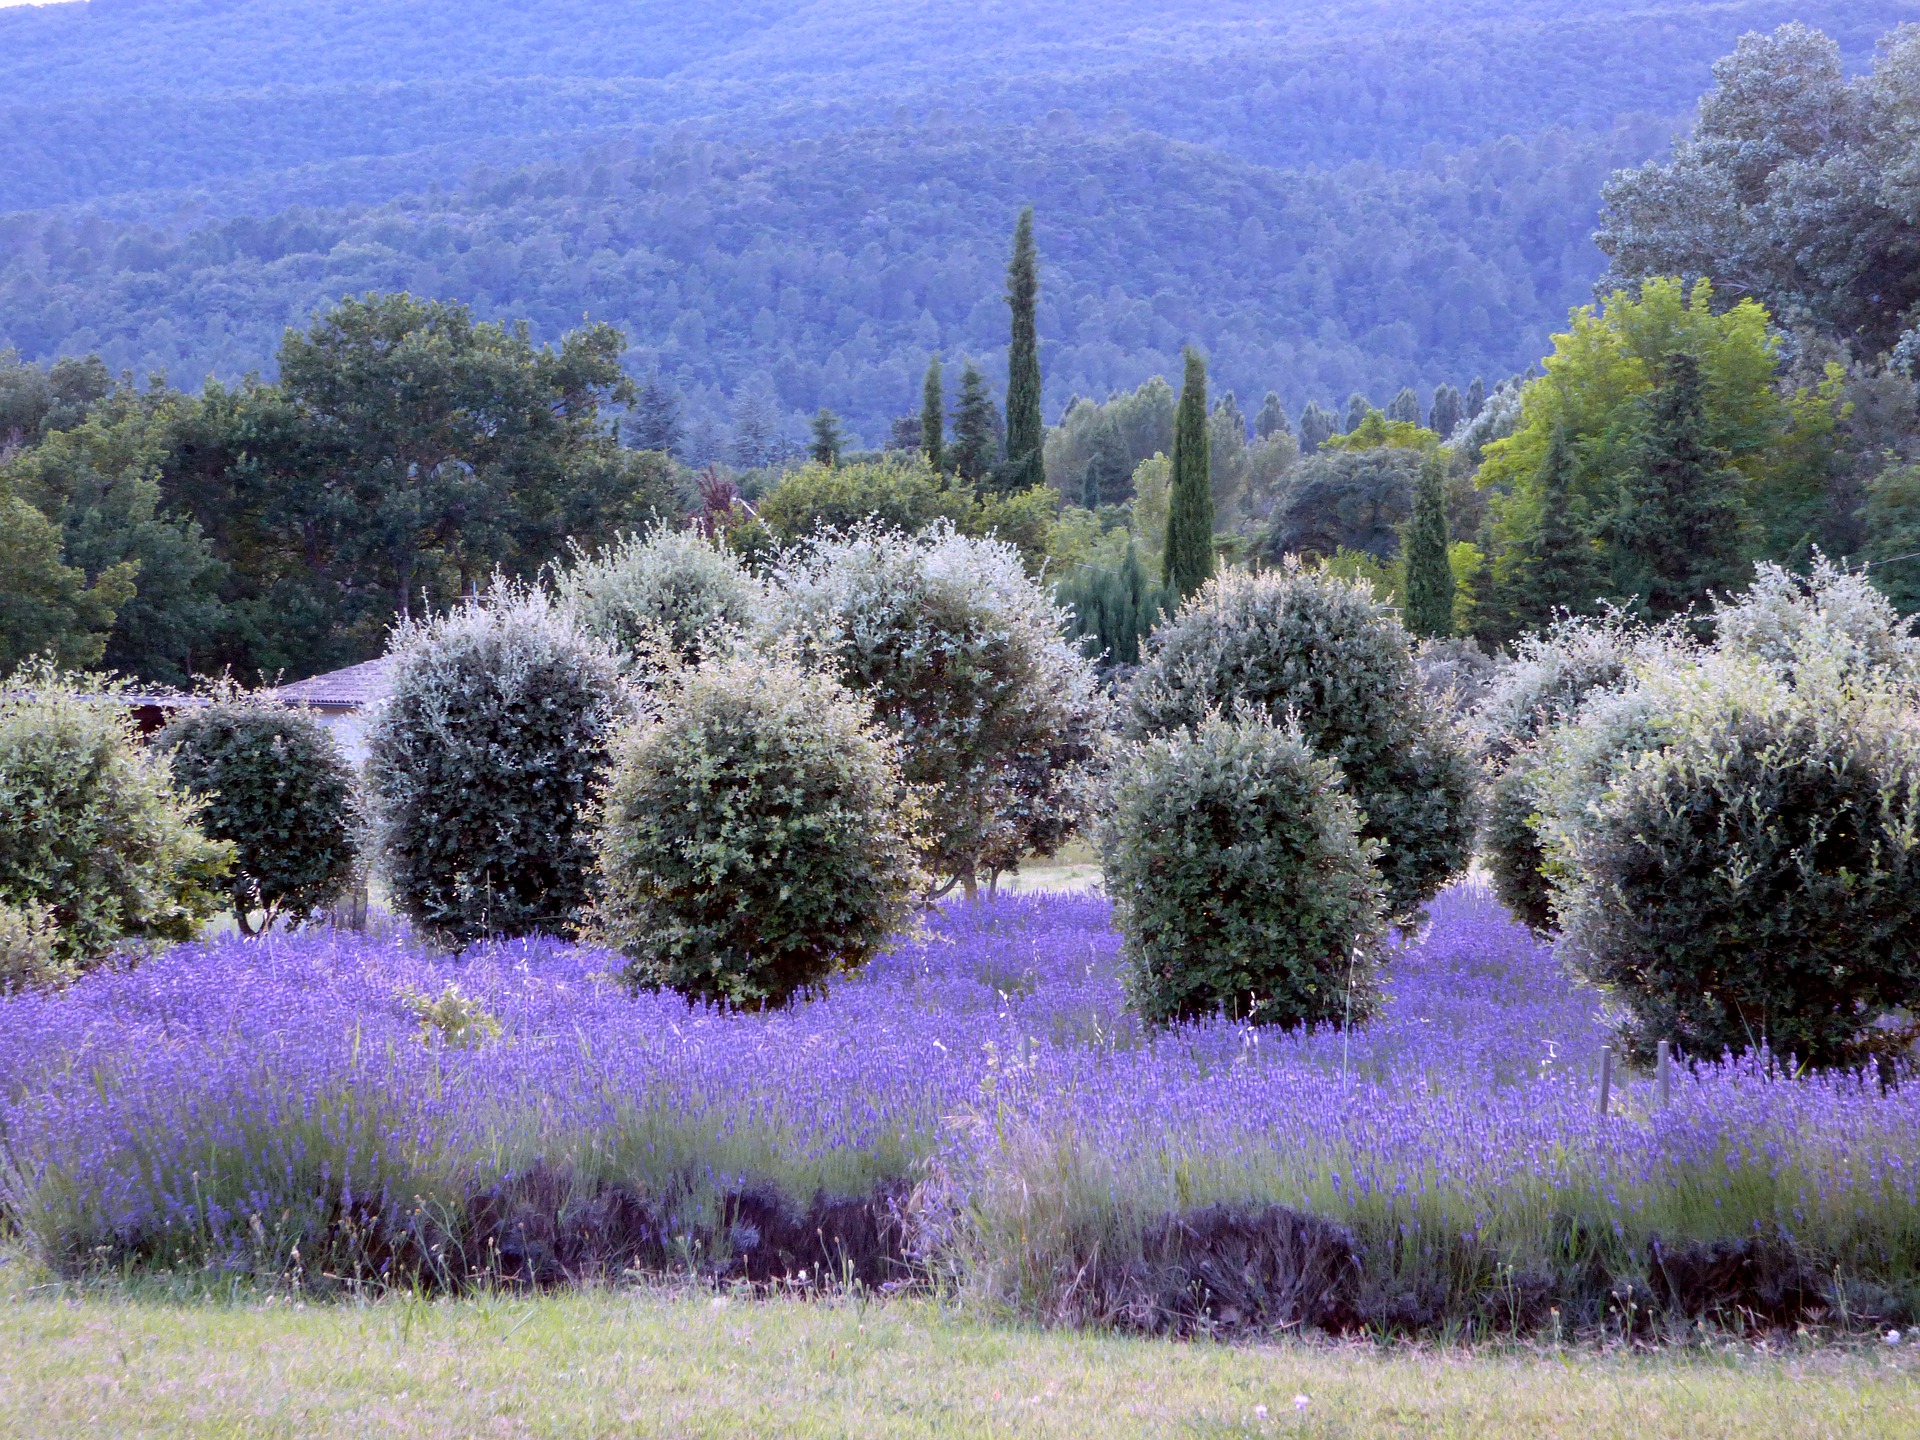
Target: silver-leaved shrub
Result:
[[964, 658], [666, 597], [482, 762]]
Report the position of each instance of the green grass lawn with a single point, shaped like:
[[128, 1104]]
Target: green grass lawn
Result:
[[689, 1363]]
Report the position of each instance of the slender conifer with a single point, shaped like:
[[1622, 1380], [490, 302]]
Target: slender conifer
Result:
[[1188, 562], [933, 417], [1026, 431], [1429, 577]]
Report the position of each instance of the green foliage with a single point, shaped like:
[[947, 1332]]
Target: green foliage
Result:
[[1757, 879], [1893, 535], [1354, 500], [100, 485], [1325, 652], [1239, 877], [977, 426], [48, 607], [29, 950], [1680, 532], [481, 763], [1114, 606], [901, 492], [1554, 565], [93, 831], [1095, 448], [668, 596], [1318, 425], [274, 786], [827, 440], [1187, 562], [1544, 684], [933, 417], [1429, 607], [1026, 431], [1377, 430], [756, 837], [1612, 396], [455, 1019], [962, 656], [1510, 843]]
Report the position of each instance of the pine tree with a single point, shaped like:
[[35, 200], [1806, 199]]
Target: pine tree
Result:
[[976, 429], [1429, 576], [1476, 398], [1272, 419], [1405, 406], [1680, 530], [1026, 431], [1447, 413], [1109, 467], [827, 439], [1358, 408], [654, 422], [1188, 562], [933, 417], [1317, 426]]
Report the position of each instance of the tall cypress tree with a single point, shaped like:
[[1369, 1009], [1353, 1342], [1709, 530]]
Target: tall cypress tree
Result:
[[1188, 562], [1553, 565], [933, 416], [1429, 576], [1680, 530], [1026, 432]]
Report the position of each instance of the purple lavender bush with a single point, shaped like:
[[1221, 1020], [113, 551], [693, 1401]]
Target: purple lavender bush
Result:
[[980, 1099]]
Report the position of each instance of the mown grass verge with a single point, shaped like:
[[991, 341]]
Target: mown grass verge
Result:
[[114, 1361]]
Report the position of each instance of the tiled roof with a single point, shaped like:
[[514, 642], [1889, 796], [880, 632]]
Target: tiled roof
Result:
[[353, 688]]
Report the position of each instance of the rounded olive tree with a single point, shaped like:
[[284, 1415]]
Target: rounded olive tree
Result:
[[482, 761], [1240, 879], [965, 659], [272, 783], [1755, 877], [98, 845], [666, 597], [756, 837], [1321, 651]]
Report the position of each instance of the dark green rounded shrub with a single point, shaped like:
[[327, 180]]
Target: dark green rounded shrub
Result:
[[272, 783], [756, 837], [1323, 651], [1510, 843], [98, 845], [1757, 878], [1240, 879], [482, 762]]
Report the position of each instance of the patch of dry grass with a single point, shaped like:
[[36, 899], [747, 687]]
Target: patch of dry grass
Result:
[[692, 1364]]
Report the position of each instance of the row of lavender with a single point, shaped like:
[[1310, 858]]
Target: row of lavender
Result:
[[301, 1105]]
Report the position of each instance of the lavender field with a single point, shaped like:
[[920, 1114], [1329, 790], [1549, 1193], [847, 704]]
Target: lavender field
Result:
[[977, 1110]]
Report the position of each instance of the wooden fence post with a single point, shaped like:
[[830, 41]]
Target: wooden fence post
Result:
[[1606, 1077], [1666, 1073]]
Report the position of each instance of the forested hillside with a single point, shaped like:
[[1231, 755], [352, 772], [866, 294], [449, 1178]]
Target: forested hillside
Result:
[[801, 200]]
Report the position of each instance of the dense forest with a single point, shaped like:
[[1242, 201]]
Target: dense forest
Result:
[[1573, 367], [798, 201]]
